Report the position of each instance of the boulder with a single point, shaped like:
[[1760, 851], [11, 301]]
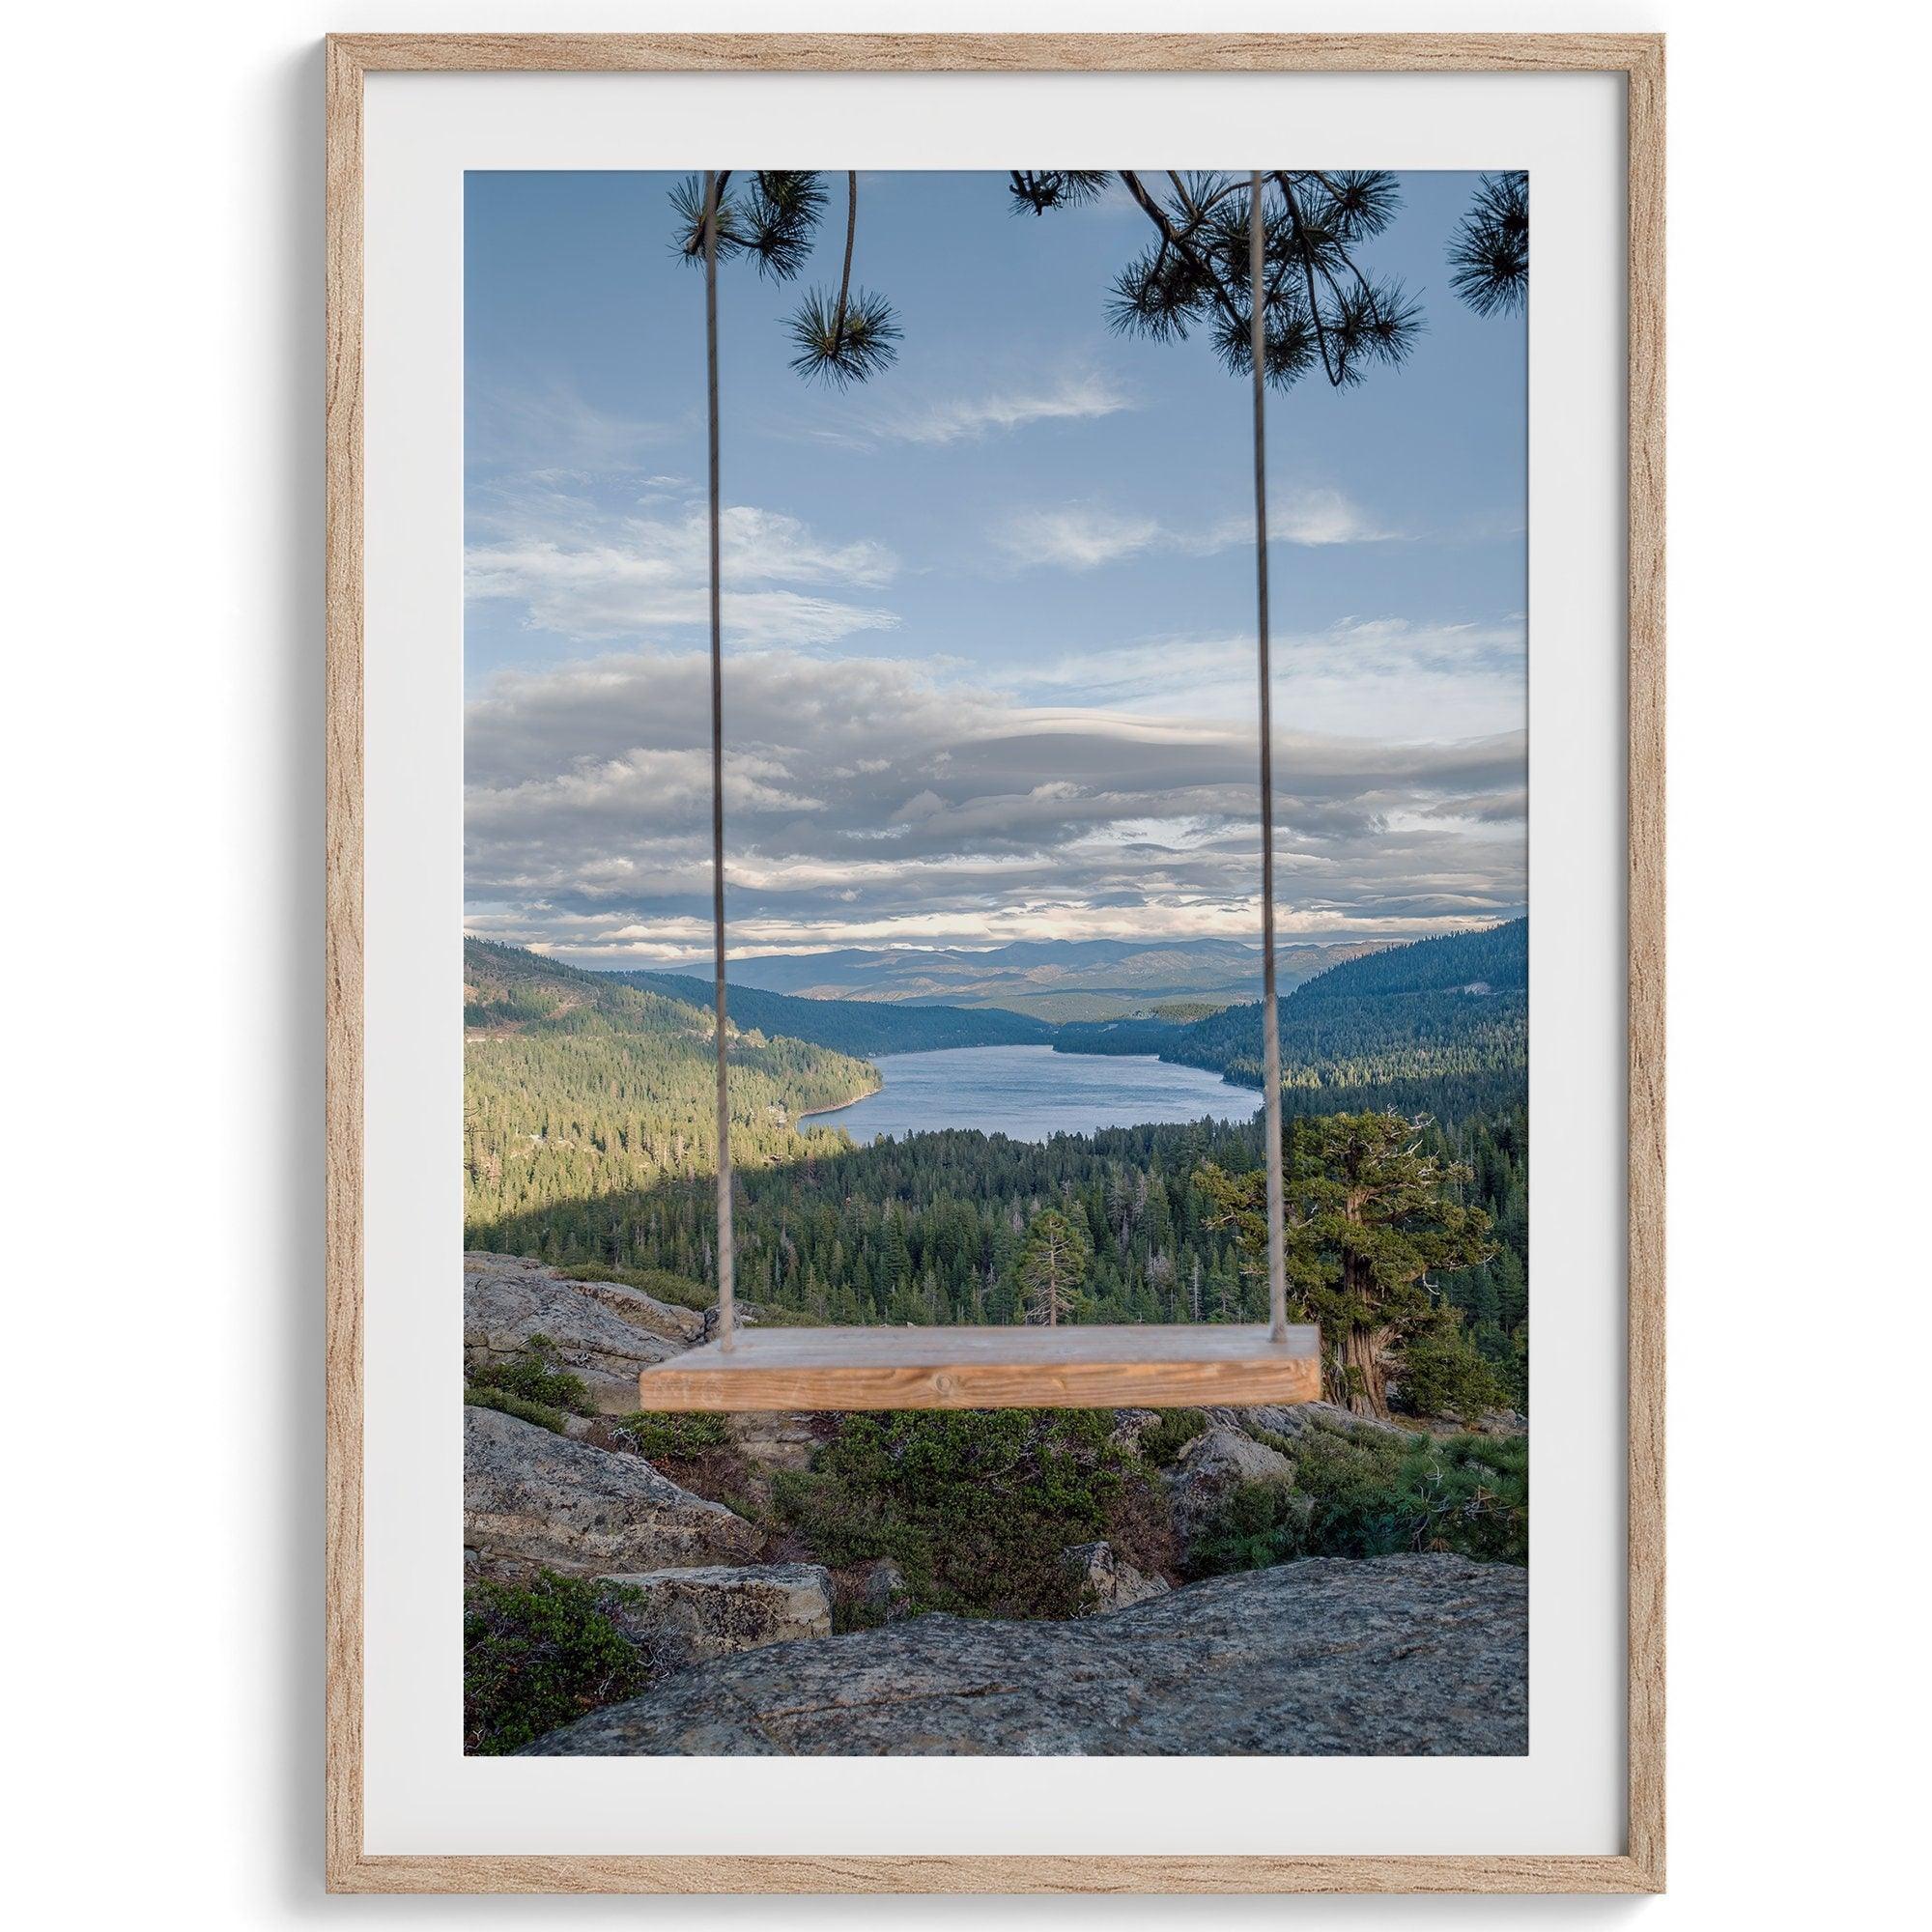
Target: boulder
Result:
[[884, 1587], [1305, 1418], [777, 1439], [530, 1497], [681, 1618], [1402, 1656], [666, 1319], [1210, 1468], [744, 1313], [1105, 1582], [601, 1330], [1491, 1422]]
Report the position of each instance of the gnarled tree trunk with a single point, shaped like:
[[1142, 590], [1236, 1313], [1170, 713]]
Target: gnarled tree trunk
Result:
[[1365, 1377]]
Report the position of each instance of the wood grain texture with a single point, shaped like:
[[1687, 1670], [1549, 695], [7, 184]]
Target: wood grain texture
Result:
[[342, 679], [989, 1368], [1645, 985], [1525, 1872], [994, 53], [1641, 58]]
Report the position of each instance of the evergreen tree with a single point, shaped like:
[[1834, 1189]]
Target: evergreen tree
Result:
[[1052, 1265], [1370, 1214]]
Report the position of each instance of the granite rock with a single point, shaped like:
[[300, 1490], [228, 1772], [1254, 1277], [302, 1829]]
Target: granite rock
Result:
[[1398, 1655]]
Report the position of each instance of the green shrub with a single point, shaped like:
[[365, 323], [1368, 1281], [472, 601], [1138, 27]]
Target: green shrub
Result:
[[673, 1437], [1507, 1357], [539, 1655], [534, 1376], [1171, 1435], [1444, 1374], [1259, 1526], [974, 1505], [541, 1414], [1379, 1497]]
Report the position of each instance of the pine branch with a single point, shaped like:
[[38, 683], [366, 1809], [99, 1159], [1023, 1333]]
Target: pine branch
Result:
[[1489, 258]]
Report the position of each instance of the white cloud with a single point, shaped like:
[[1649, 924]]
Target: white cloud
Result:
[[1075, 538], [1382, 678], [1084, 536], [1318, 517], [1124, 674], [868, 799], [586, 574], [552, 433], [948, 419]]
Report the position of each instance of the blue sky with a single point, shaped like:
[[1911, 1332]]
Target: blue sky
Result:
[[990, 615]]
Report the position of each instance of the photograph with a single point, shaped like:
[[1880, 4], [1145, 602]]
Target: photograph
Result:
[[996, 958], [969, 1301]]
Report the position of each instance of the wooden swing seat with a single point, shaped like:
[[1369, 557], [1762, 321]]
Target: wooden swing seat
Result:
[[1143, 1367]]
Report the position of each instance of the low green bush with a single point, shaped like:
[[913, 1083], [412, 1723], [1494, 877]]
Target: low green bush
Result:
[[538, 1655], [974, 1505], [541, 1414], [1507, 1357], [534, 1376], [1443, 1373], [1379, 1497], [673, 1437], [1177, 1428]]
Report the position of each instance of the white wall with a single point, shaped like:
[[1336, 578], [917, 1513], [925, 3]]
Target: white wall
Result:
[[162, 767]]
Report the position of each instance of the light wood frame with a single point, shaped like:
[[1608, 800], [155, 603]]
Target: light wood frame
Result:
[[1639, 58]]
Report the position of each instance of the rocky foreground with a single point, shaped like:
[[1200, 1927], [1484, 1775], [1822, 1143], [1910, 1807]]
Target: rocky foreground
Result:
[[1398, 1655], [533, 1499], [1407, 1655], [603, 1331]]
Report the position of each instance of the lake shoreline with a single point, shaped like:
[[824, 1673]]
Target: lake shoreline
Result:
[[1029, 1093], [805, 1114]]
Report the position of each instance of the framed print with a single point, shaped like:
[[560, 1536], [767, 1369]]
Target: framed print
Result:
[[950, 1306]]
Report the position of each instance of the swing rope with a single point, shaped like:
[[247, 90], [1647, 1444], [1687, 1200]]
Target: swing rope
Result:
[[1270, 1016], [1277, 1257], [726, 1258]]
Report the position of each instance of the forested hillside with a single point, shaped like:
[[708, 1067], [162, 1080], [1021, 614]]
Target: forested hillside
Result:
[[1495, 960], [852, 1026], [931, 1228], [575, 1087], [1440, 1025]]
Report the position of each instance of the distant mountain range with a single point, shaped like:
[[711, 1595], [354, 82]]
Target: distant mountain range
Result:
[[851, 1026], [1052, 981]]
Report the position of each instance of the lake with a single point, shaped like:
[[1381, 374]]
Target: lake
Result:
[[1032, 1093]]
